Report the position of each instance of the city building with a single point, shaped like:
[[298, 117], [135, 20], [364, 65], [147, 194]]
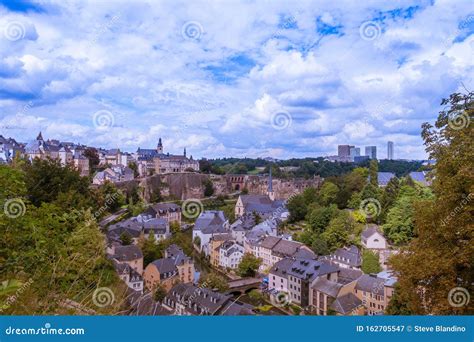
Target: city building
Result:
[[114, 174], [169, 211], [354, 152], [371, 152], [372, 238], [230, 254], [151, 161], [346, 257], [209, 224], [130, 255], [344, 153], [390, 150], [370, 289]]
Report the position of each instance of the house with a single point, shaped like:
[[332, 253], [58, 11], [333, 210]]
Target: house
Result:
[[241, 226], [370, 289], [161, 272], [262, 205], [230, 254], [420, 177], [168, 211], [130, 276], [155, 161], [346, 257], [272, 249], [54, 149], [114, 174], [139, 226], [336, 295], [183, 263], [389, 285], [278, 275], [187, 300], [209, 224], [175, 267], [372, 238], [302, 274], [383, 178], [130, 255], [214, 243], [9, 148]]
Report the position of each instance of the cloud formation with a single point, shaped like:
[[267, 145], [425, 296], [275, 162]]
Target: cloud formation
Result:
[[212, 76]]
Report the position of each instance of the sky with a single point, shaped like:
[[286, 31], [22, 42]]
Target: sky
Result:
[[229, 78]]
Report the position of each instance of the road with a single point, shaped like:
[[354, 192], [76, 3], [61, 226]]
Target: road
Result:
[[112, 217]]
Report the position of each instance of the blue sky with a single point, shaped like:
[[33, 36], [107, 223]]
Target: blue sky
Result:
[[232, 78]]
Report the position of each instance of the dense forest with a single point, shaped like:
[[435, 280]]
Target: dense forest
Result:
[[305, 167]]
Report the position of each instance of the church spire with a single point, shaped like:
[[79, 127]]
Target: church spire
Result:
[[270, 192], [39, 137], [159, 148], [185, 152]]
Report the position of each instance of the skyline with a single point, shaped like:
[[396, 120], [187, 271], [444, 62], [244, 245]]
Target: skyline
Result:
[[233, 79]]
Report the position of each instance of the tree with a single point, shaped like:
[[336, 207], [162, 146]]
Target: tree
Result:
[[249, 265], [397, 306], [214, 281], [320, 246], [297, 208], [337, 234], [439, 258], [370, 262], [208, 187], [389, 196], [46, 178], [328, 193], [134, 167], [373, 172], [160, 293], [318, 218], [125, 239], [151, 250], [256, 297], [93, 156]]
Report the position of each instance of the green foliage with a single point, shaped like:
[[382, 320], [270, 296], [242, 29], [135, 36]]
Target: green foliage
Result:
[[440, 255], [370, 262], [328, 193], [373, 169], [125, 239], [338, 232], [133, 166], [256, 297], [248, 265], [297, 208], [320, 246], [214, 281], [318, 218], [94, 160], [45, 179], [208, 187], [160, 293], [397, 305]]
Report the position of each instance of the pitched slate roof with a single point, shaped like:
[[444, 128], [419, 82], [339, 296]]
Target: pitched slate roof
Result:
[[309, 269], [347, 275], [346, 303], [211, 222], [370, 283], [350, 256], [369, 231], [127, 253], [326, 286], [166, 267], [197, 300], [281, 268], [420, 177]]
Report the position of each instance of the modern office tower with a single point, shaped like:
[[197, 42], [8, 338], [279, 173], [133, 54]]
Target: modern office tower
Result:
[[390, 150], [344, 152], [354, 152], [371, 152]]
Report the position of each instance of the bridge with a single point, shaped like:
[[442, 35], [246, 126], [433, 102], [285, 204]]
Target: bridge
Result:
[[244, 285]]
